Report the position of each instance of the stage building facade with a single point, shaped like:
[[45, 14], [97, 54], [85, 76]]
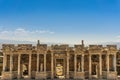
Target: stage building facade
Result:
[[59, 61]]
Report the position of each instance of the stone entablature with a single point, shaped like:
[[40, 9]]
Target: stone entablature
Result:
[[42, 48]]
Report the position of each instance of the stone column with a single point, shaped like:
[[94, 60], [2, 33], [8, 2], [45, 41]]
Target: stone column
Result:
[[75, 67], [90, 65], [100, 64], [4, 61], [11, 62], [45, 62], [82, 63], [37, 62], [52, 73], [19, 56], [67, 65], [30, 65], [115, 62], [108, 63]]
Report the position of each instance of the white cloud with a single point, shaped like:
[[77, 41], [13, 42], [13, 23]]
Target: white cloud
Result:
[[117, 36], [23, 34]]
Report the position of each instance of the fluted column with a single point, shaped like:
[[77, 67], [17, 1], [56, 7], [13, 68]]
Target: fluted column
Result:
[[75, 62], [37, 62], [44, 62], [11, 62], [52, 74], [90, 65], [82, 63], [67, 65], [30, 65], [4, 61], [19, 56], [100, 63]]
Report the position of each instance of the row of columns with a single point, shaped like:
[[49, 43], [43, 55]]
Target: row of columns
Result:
[[90, 64], [100, 64], [52, 64], [19, 60]]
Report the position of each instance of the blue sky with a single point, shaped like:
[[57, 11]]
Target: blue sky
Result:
[[62, 21]]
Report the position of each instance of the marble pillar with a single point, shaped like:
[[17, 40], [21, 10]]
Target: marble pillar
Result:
[[44, 62], [4, 62], [90, 66], [115, 62], [82, 63], [30, 65], [11, 62], [108, 63], [52, 73], [67, 65], [37, 62], [75, 67], [19, 59], [100, 64]]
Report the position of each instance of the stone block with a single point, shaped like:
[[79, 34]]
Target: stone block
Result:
[[7, 75], [79, 75], [40, 75], [112, 75]]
